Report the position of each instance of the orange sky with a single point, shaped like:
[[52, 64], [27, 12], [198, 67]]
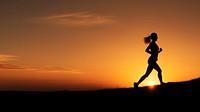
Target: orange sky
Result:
[[89, 44]]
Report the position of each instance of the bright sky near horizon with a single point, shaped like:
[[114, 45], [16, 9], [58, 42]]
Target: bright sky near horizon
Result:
[[94, 44]]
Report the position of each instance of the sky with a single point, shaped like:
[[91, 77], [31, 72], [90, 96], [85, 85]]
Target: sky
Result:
[[95, 44]]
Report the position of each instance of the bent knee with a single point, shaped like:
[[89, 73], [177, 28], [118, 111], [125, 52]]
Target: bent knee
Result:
[[159, 71]]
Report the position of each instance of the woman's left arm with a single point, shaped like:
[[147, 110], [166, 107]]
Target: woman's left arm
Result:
[[160, 50]]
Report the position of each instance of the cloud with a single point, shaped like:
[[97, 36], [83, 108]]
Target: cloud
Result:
[[9, 66], [56, 69], [5, 58], [39, 69], [77, 19]]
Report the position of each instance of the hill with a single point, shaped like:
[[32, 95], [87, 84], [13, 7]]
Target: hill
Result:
[[172, 94]]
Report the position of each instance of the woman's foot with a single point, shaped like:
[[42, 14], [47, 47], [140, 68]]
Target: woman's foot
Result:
[[162, 83], [135, 85]]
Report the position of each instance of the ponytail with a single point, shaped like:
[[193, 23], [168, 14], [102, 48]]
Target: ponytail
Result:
[[147, 39]]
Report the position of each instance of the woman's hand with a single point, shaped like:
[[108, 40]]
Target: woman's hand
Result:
[[160, 50]]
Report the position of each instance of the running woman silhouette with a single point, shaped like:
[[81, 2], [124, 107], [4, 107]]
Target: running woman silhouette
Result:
[[153, 50]]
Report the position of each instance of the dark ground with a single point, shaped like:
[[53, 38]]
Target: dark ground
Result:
[[179, 96]]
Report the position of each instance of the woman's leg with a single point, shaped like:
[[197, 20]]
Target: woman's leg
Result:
[[158, 69], [148, 71]]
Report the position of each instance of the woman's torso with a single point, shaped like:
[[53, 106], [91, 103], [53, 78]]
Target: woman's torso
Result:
[[154, 51]]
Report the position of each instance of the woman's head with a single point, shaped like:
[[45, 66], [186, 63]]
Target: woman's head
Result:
[[152, 37]]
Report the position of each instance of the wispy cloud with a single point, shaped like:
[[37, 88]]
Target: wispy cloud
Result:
[[77, 19], [5, 58], [39, 69], [56, 69]]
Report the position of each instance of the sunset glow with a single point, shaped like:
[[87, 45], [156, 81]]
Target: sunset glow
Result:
[[151, 83], [95, 44]]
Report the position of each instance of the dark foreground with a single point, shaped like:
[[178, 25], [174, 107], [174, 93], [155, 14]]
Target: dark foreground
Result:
[[172, 95]]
